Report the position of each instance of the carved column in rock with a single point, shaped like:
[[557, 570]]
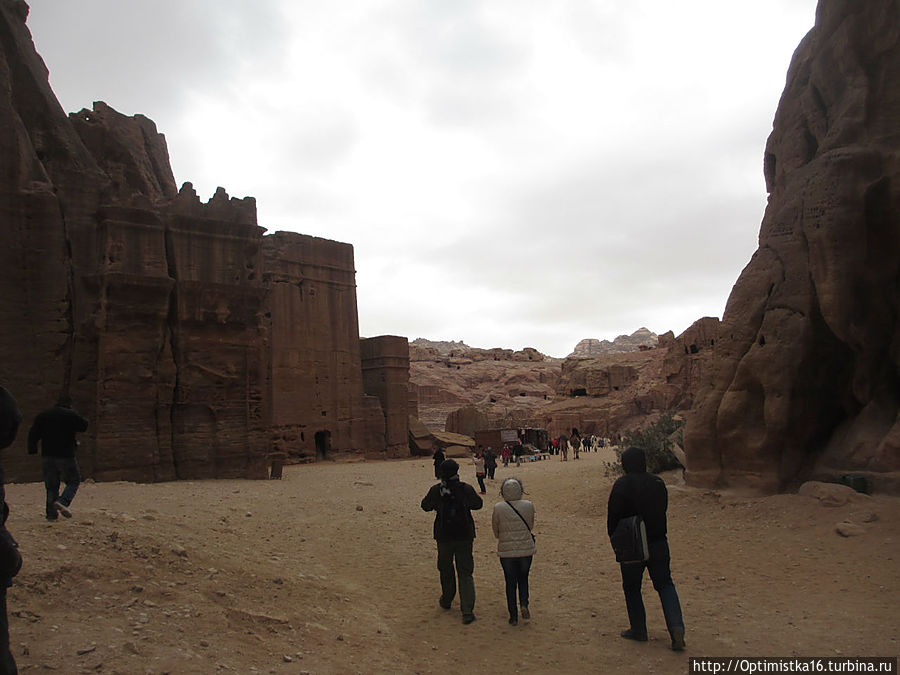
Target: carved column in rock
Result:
[[219, 415], [385, 367]]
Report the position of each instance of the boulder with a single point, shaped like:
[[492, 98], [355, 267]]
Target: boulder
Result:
[[829, 494]]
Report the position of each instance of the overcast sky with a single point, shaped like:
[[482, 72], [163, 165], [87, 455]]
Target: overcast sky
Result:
[[511, 173]]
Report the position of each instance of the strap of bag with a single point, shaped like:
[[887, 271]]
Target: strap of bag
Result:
[[518, 514]]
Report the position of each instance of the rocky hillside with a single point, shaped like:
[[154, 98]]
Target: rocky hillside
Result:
[[603, 394], [621, 345]]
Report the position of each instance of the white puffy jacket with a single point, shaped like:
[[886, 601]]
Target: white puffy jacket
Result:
[[514, 539]]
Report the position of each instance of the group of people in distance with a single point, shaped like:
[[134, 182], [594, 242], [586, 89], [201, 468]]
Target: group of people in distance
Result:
[[54, 432], [636, 493]]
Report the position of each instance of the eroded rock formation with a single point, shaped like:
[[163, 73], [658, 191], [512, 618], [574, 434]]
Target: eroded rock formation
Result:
[[805, 380], [196, 346], [604, 394], [621, 345]]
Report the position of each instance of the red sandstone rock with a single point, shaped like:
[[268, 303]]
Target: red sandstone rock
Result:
[[195, 346], [804, 381]]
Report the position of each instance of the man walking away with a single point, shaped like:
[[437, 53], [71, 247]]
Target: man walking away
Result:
[[490, 462], [55, 430], [644, 494], [454, 531], [438, 460]]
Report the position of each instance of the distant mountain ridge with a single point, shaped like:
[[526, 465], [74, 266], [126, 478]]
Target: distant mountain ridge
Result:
[[443, 347], [623, 344]]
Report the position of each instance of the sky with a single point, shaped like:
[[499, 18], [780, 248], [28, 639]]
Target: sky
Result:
[[511, 173]]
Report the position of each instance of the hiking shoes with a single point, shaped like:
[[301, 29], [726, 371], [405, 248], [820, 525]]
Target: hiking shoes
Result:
[[63, 509], [678, 641], [525, 613], [632, 635], [468, 618]]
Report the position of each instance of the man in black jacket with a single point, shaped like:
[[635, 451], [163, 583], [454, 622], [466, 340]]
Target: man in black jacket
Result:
[[641, 493], [55, 429], [454, 531], [10, 559]]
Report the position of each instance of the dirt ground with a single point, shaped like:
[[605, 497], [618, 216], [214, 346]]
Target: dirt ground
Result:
[[332, 570]]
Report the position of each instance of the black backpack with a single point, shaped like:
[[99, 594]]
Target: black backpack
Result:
[[453, 514]]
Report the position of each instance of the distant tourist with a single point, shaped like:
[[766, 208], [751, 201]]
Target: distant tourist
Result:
[[478, 461], [454, 531], [564, 447], [512, 522], [518, 451], [644, 494], [438, 460], [505, 453], [10, 558], [55, 430], [575, 440], [490, 462]]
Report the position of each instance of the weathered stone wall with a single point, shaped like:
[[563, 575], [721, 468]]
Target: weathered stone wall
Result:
[[805, 379], [156, 312], [316, 377], [385, 368]]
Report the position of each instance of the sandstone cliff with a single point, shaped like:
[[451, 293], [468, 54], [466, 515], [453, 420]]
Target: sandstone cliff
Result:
[[604, 394], [805, 379], [195, 347]]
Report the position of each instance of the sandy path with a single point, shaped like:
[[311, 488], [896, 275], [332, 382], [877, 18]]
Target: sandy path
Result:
[[332, 570]]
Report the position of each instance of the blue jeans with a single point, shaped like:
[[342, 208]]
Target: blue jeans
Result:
[[515, 571], [658, 566], [461, 552], [58, 469]]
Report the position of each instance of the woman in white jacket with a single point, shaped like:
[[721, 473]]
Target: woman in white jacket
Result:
[[512, 521]]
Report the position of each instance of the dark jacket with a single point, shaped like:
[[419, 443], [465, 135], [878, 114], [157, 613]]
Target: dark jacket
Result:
[[10, 558], [10, 417], [432, 501], [638, 493], [56, 429], [490, 459]]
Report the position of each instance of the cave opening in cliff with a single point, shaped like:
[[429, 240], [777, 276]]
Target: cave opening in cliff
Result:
[[323, 445]]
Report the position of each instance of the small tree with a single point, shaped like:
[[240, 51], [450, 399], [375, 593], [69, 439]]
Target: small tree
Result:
[[656, 440]]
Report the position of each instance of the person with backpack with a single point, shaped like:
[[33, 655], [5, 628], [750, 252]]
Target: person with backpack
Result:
[[512, 521], [643, 494], [454, 531]]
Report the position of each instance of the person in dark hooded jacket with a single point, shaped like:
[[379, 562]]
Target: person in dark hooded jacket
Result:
[[454, 534], [644, 494]]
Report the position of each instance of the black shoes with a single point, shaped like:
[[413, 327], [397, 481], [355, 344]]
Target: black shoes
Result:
[[513, 621], [525, 613], [468, 618], [632, 635], [444, 605], [678, 641]]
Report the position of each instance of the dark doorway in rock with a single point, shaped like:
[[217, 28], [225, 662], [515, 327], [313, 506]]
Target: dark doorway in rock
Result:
[[323, 445]]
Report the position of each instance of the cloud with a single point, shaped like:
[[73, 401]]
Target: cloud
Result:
[[510, 172]]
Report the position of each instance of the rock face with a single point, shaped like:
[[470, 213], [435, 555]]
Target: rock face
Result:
[[805, 380], [621, 345], [605, 394], [195, 346]]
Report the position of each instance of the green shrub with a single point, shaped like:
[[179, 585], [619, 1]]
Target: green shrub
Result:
[[656, 440]]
